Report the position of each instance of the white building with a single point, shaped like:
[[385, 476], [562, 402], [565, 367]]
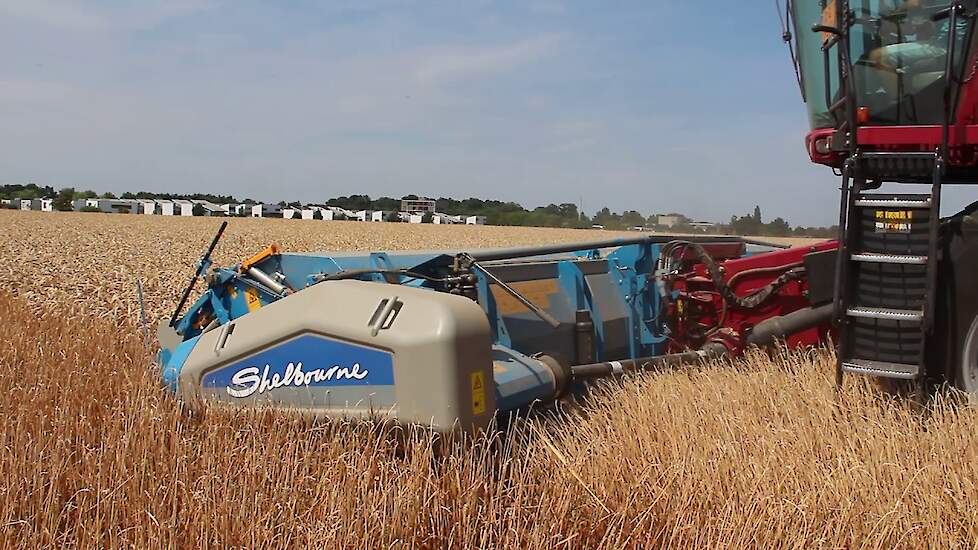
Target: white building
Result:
[[238, 209], [416, 218], [266, 211], [441, 218], [165, 207], [209, 208], [147, 207], [288, 213], [475, 220], [668, 220], [378, 216], [27, 204], [703, 226], [183, 207], [362, 215], [47, 205], [337, 213]]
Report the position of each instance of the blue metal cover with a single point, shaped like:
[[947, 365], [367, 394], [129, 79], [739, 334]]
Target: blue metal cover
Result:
[[307, 361]]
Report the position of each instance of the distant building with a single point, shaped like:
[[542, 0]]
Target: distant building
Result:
[[84, 203], [288, 213], [110, 206], [210, 209], [704, 226], [668, 220], [378, 216], [266, 211], [337, 213], [416, 218], [183, 207], [147, 207], [475, 220], [441, 218], [419, 204], [164, 207], [238, 209], [28, 204], [362, 215]]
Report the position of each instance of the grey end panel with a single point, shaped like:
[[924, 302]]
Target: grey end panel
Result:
[[353, 349]]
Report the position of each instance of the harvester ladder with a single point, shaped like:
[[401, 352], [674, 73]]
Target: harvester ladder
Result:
[[886, 280]]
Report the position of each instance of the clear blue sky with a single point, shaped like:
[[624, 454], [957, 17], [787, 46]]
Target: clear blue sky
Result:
[[647, 105]]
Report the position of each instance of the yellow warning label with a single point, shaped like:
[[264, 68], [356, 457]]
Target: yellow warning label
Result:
[[478, 383], [252, 299], [894, 221]]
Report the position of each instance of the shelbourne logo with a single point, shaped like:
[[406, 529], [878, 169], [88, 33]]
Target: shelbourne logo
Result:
[[252, 380]]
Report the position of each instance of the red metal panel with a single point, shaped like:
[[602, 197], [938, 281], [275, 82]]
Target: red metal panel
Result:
[[918, 137]]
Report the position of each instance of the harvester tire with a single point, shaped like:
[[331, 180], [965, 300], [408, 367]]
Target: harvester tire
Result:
[[966, 378]]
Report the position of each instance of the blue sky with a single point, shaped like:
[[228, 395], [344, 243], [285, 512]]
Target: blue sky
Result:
[[649, 105]]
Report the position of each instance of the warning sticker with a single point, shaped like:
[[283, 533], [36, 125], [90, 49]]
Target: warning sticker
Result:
[[894, 221], [478, 383], [252, 299]]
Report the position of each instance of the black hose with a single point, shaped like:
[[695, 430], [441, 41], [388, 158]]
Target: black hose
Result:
[[752, 301], [769, 330], [612, 368]]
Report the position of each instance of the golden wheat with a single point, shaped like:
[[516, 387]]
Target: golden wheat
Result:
[[758, 453], [89, 263]]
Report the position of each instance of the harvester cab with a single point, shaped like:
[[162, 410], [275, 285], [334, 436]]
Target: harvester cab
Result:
[[452, 340], [892, 99]]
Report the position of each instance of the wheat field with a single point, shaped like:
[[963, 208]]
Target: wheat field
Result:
[[756, 453]]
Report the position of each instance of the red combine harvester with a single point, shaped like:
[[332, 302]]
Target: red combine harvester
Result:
[[453, 339], [893, 101]]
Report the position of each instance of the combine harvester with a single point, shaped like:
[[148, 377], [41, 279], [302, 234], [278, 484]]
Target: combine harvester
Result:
[[892, 100], [451, 340]]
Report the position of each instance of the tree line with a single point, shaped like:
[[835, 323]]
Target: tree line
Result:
[[496, 212]]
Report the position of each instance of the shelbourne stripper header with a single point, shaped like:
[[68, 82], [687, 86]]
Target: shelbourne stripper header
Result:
[[452, 339]]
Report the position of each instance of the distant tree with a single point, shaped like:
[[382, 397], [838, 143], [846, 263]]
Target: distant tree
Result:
[[199, 210], [777, 228], [757, 214], [90, 209], [87, 194], [427, 218], [392, 216], [62, 202], [317, 214], [631, 218], [108, 195]]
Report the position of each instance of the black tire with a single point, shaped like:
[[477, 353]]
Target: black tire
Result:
[[966, 375]]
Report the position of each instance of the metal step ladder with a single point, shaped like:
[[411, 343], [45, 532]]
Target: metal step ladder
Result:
[[887, 267]]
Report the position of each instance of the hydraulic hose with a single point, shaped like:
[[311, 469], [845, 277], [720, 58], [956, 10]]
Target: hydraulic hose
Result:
[[764, 333], [769, 330], [612, 368]]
